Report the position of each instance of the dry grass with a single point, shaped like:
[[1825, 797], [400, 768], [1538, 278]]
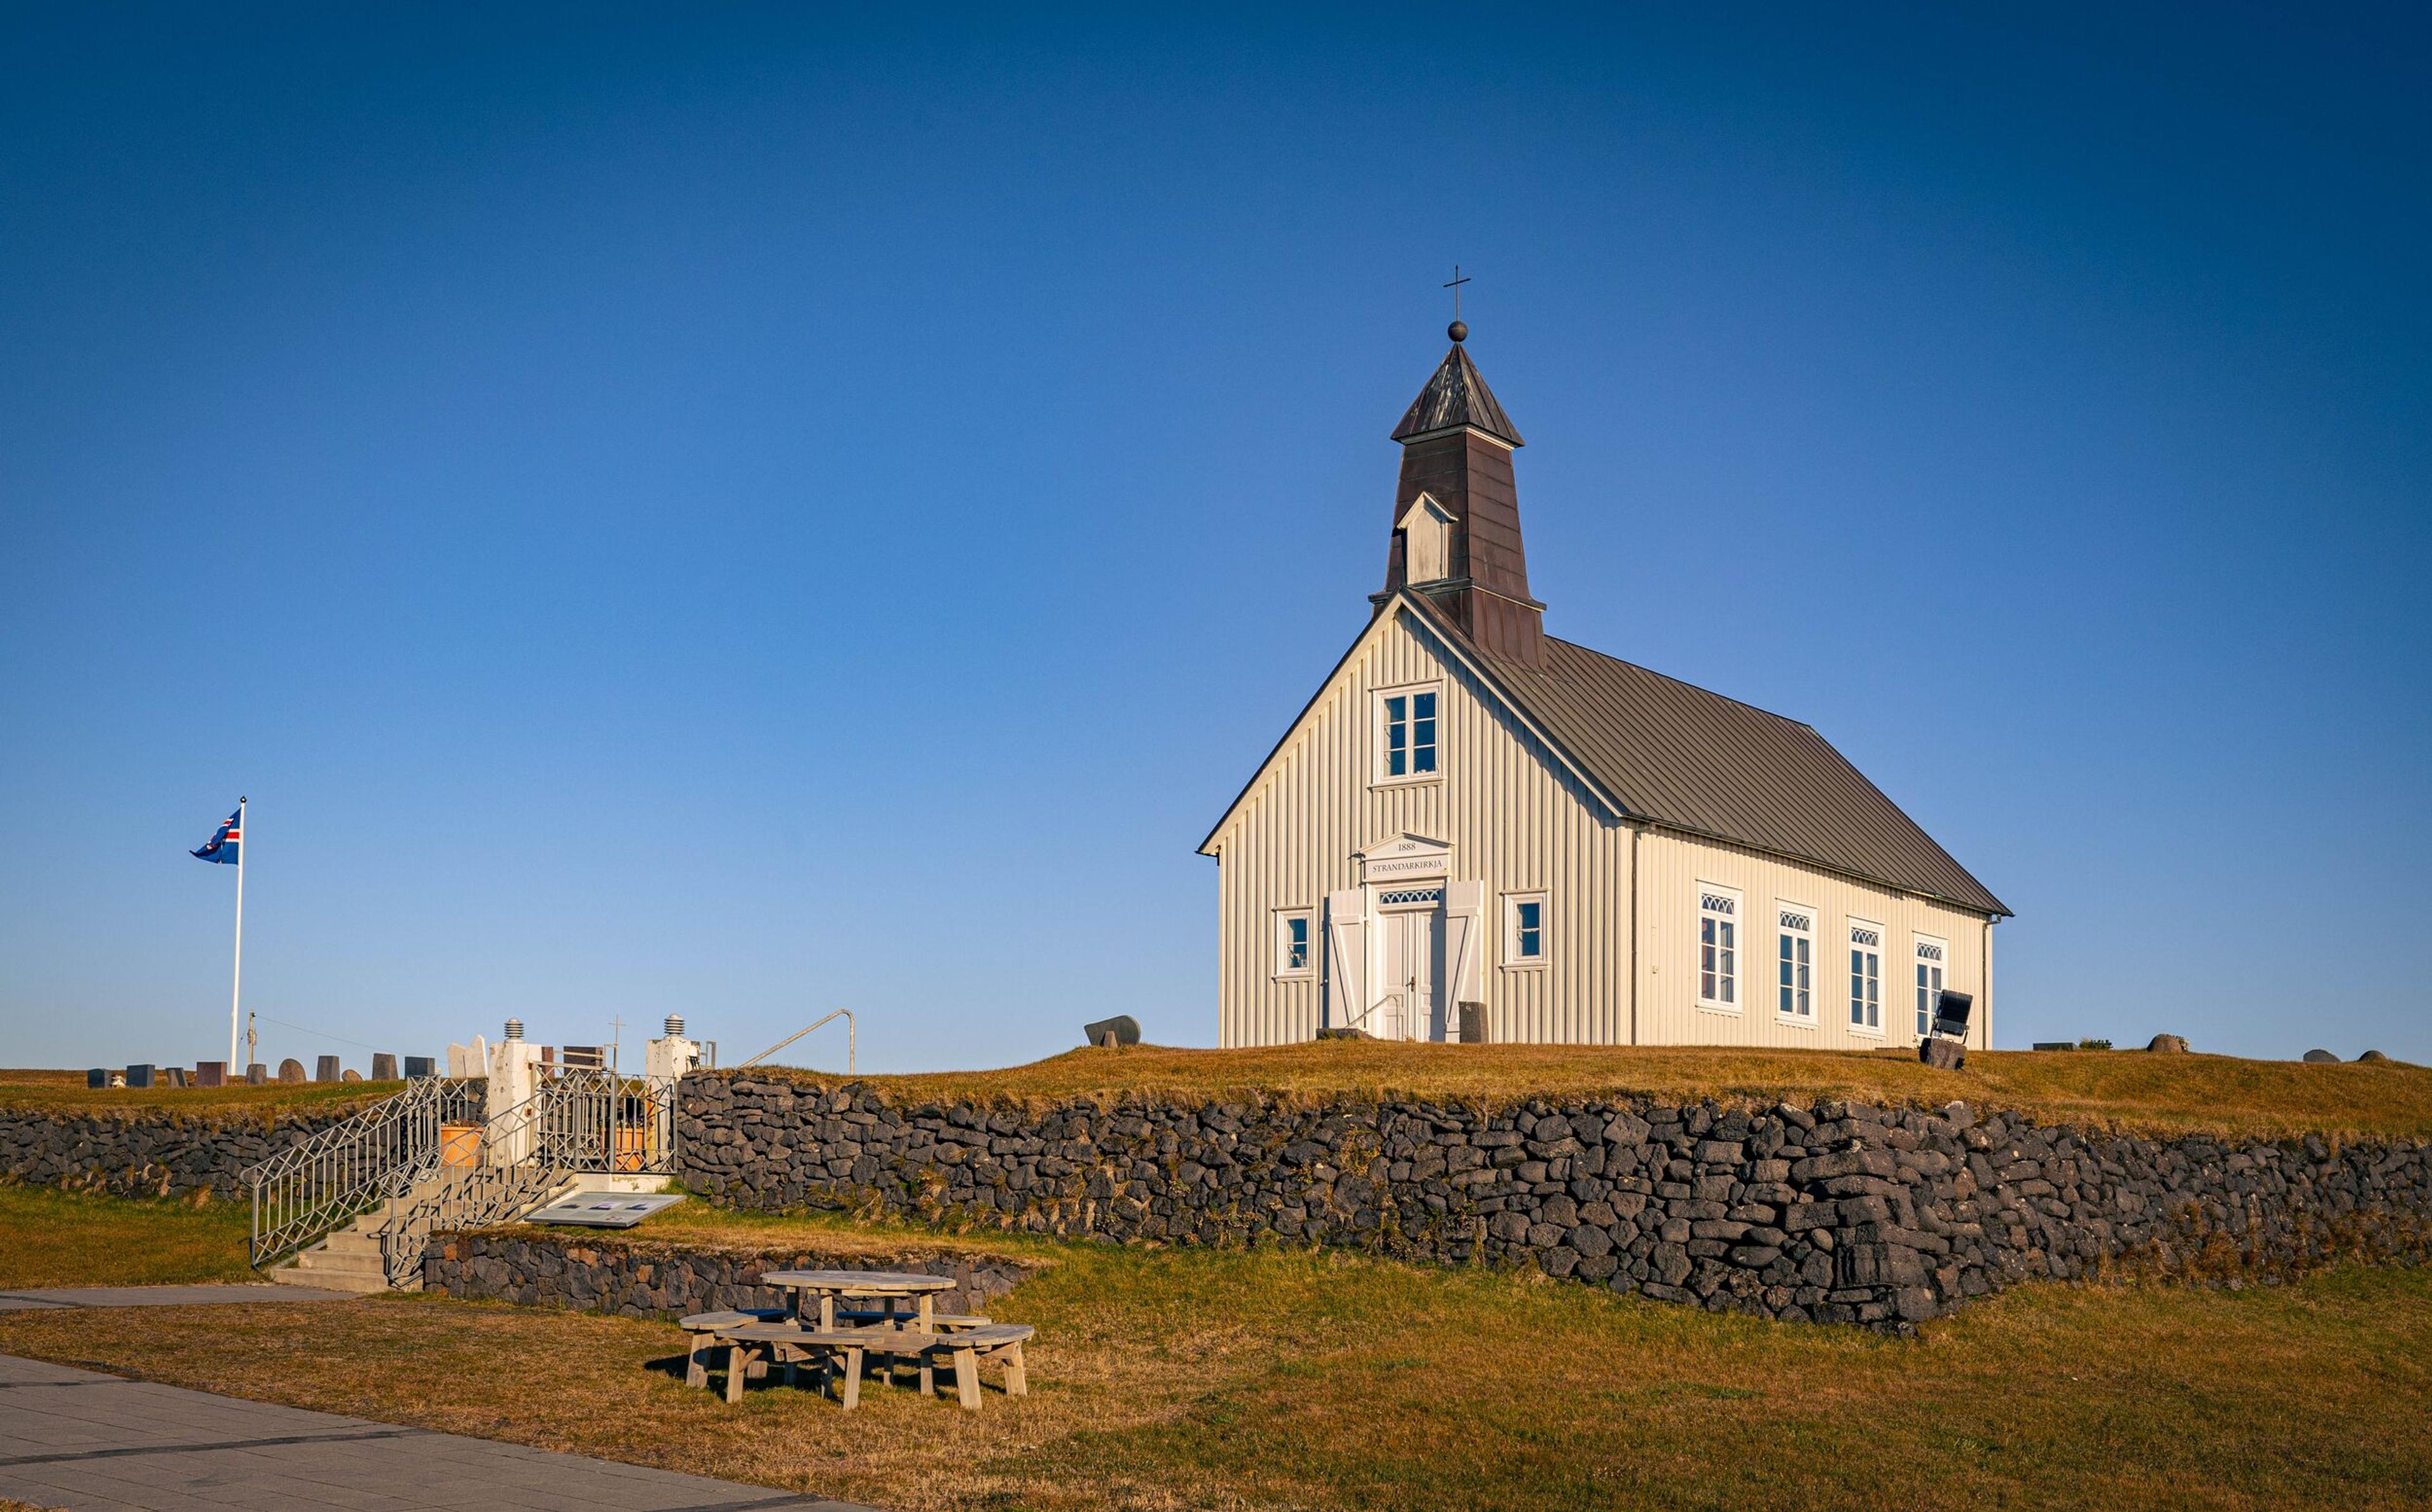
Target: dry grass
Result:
[[54, 1238], [65, 1091], [1180, 1378], [2163, 1094], [2129, 1090]]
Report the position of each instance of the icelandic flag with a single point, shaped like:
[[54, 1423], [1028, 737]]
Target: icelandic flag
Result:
[[222, 846]]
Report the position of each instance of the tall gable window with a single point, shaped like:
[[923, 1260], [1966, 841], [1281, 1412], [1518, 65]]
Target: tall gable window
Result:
[[1796, 923], [1718, 947], [1931, 954], [1866, 977], [1406, 734]]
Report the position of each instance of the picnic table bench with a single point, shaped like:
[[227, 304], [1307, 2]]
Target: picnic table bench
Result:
[[790, 1344]]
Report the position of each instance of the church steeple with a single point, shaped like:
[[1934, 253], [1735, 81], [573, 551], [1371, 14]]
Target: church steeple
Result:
[[1457, 513]]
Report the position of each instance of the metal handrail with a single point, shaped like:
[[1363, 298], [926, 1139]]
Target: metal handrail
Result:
[[466, 1199], [576, 1120], [324, 1183], [1361, 1017], [851, 1041]]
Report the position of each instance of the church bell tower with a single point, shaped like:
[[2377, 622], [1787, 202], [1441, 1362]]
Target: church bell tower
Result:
[[1457, 513]]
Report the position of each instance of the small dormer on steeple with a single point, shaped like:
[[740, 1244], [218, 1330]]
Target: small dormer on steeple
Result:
[[1457, 513]]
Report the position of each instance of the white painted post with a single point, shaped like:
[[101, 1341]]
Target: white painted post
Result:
[[236, 978]]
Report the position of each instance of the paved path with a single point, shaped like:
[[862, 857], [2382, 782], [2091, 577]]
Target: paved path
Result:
[[96, 1443], [43, 1297]]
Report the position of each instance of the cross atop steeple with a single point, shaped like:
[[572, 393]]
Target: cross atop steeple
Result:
[[1458, 331]]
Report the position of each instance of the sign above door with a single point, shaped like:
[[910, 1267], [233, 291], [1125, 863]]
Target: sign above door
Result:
[[1403, 857]]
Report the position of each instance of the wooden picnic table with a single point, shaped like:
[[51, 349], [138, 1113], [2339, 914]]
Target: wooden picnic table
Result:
[[890, 1286]]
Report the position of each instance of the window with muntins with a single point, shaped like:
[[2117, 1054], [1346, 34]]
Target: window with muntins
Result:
[[1524, 929], [1866, 976], [1293, 945], [1409, 734], [1797, 962], [1718, 953], [1930, 958]]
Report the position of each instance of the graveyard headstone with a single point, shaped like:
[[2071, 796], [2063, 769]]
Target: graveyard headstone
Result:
[[173, 1075], [256, 1074], [139, 1076], [350, 1074], [418, 1066], [290, 1069], [97, 1076], [2321, 1057], [211, 1073], [383, 1067], [326, 1069]]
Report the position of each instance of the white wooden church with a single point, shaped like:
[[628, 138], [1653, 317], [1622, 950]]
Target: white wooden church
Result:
[[1476, 830]]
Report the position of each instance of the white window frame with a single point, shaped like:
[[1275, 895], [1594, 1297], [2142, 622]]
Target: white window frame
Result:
[[1381, 731], [1784, 911], [1284, 969], [1513, 959], [1728, 942], [1857, 999], [1928, 995]]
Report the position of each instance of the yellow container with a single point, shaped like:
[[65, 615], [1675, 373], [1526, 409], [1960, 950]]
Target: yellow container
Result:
[[633, 1150], [459, 1144]]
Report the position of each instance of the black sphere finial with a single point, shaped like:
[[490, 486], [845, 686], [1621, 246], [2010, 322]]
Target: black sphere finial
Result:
[[1458, 331]]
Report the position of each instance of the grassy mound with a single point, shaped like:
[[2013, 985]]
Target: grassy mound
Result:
[[65, 1092], [2128, 1090]]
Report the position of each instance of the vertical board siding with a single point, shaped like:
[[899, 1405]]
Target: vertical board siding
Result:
[[1670, 868], [1513, 820], [1518, 822]]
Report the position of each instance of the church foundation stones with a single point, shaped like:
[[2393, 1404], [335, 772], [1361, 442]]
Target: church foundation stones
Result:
[[1841, 1211]]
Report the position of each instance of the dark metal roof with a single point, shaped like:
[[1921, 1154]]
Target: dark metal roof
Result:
[[1687, 759], [1456, 395]]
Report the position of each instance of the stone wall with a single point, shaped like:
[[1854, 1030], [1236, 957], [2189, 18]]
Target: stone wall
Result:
[[1841, 1211], [141, 1151], [666, 1279]]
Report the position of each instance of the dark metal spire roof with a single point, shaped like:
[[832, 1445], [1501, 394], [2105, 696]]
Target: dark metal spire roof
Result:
[[1455, 397]]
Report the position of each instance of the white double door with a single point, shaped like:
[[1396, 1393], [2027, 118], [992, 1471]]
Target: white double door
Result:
[[1409, 957]]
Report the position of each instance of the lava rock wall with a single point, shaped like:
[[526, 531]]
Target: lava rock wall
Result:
[[1842, 1212], [668, 1280]]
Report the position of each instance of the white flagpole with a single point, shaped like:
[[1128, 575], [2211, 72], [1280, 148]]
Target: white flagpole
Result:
[[236, 978]]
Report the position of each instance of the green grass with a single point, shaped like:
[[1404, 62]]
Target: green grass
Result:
[[1169, 1378], [2127, 1089], [54, 1238]]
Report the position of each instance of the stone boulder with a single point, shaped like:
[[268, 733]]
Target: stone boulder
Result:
[[2373, 1057], [2168, 1045], [1942, 1054], [2321, 1057]]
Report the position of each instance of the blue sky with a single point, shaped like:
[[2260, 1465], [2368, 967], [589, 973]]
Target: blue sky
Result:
[[753, 513]]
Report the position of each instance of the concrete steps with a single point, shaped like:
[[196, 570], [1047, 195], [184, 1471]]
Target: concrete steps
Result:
[[349, 1259]]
